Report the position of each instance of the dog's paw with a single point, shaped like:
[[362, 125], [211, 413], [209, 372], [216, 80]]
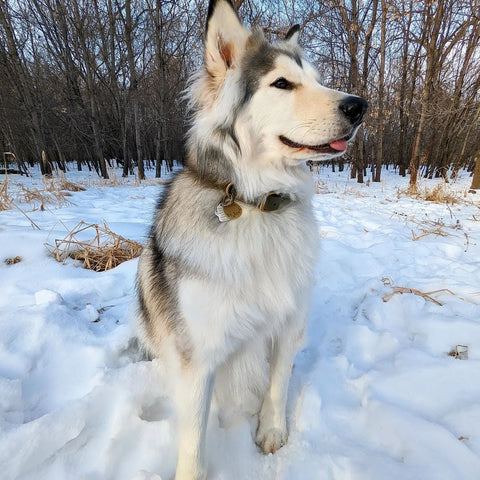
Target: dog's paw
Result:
[[272, 439]]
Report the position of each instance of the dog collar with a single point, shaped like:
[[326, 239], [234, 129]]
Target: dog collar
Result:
[[229, 208]]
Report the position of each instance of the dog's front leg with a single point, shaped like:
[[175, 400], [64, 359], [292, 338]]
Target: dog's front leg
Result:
[[194, 394], [272, 431]]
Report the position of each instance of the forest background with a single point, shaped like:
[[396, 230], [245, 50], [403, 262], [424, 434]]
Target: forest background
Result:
[[96, 81]]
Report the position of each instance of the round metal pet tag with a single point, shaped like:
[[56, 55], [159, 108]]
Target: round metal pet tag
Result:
[[228, 212], [232, 211]]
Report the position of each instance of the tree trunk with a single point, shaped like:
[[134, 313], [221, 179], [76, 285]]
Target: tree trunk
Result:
[[381, 91], [45, 165], [21, 83], [133, 88], [476, 174], [99, 157], [360, 160]]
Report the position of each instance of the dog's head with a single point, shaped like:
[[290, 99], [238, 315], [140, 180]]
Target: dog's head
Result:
[[268, 95]]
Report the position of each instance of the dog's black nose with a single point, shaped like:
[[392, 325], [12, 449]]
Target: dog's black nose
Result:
[[354, 109]]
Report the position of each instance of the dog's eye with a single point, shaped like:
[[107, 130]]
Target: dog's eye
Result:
[[282, 83]]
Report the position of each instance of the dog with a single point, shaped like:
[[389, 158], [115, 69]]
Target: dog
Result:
[[225, 279]]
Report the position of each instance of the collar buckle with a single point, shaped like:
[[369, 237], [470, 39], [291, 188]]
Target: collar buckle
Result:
[[271, 201]]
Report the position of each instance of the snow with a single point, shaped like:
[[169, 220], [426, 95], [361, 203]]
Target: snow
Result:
[[374, 394]]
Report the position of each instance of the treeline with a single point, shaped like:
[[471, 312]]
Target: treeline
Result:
[[94, 80]]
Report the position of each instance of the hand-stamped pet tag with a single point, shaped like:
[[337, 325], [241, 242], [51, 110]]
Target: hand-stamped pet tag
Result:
[[228, 212], [227, 209]]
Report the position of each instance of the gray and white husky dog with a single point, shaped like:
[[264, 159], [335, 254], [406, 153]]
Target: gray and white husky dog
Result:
[[224, 282]]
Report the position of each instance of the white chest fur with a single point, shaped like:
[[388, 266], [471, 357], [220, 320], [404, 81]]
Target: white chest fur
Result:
[[258, 273]]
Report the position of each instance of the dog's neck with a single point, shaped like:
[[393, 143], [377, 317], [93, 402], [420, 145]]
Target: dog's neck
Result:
[[253, 178], [266, 202], [258, 177]]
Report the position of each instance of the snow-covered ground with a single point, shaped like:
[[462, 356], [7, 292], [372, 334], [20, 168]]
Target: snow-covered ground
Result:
[[374, 394]]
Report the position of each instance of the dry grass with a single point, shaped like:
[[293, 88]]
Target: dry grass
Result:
[[401, 290], [441, 193], [411, 191], [351, 190], [5, 199], [101, 249], [59, 183], [6, 202], [40, 198], [438, 231], [438, 228], [113, 180], [434, 227], [321, 187], [116, 180], [55, 191]]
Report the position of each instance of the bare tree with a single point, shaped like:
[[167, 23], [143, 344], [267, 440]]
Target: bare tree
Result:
[[102, 80], [440, 34], [133, 80], [21, 83], [476, 173], [381, 92]]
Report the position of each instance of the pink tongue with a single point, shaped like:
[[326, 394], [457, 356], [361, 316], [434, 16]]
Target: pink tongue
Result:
[[339, 145]]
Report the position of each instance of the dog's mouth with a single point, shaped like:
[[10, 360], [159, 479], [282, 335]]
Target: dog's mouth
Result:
[[335, 146]]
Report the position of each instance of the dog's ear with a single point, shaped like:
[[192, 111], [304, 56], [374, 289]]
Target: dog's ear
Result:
[[225, 38], [292, 35]]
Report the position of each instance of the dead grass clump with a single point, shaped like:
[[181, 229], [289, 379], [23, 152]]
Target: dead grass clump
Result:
[[437, 228], [13, 260], [61, 184], [5, 199], [97, 247], [401, 290], [412, 191], [353, 191], [40, 198], [54, 192], [440, 194], [115, 179], [71, 186], [321, 187], [434, 227]]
